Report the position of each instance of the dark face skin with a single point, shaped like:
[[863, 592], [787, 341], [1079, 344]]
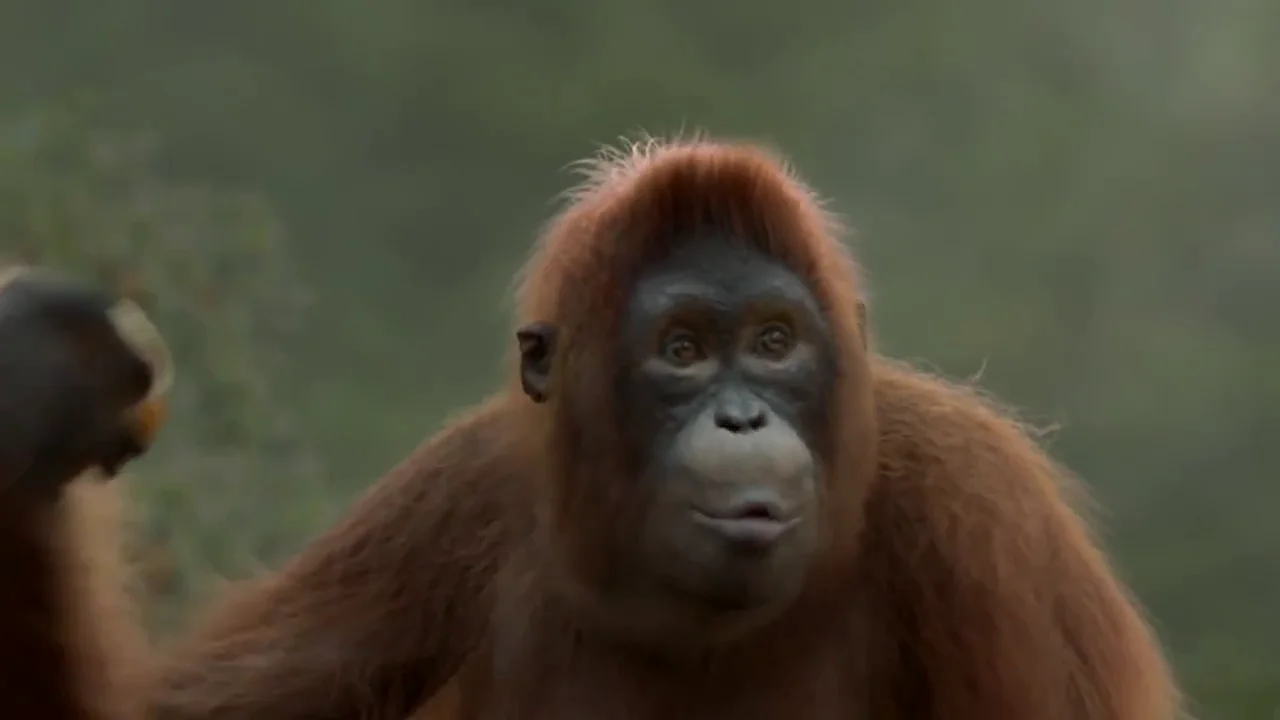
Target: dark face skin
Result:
[[726, 393]]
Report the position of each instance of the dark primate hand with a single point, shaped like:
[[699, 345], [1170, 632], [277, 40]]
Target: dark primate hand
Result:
[[81, 381]]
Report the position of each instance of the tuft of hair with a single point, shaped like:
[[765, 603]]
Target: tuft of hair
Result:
[[639, 199]]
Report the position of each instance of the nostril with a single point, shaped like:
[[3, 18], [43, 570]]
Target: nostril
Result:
[[740, 423], [725, 421]]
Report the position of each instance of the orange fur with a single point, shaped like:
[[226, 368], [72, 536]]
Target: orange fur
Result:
[[105, 624], [70, 645], [957, 582], [991, 593]]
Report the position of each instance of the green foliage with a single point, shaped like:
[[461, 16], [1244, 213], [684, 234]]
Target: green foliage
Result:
[[211, 268]]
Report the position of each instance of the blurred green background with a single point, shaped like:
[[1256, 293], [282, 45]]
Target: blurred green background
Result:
[[323, 203]]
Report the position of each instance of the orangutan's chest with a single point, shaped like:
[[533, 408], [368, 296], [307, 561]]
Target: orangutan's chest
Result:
[[543, 683]]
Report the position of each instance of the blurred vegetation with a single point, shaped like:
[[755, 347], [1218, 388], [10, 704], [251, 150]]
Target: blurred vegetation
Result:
[[1078, 200], [213, 271]]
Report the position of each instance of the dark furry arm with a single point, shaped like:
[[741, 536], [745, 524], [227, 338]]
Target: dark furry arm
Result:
[[35, 661], [71, 644], [375, 615], [74, 368], [998, 602]]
